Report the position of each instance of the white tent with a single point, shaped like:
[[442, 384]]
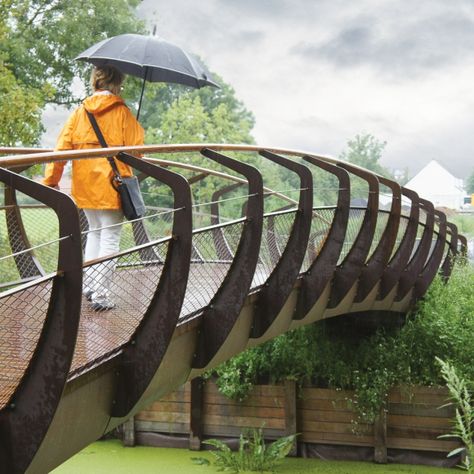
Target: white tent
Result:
[[438, 185]]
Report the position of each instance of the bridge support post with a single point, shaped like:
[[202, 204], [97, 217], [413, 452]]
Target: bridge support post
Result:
[[380, 437], [195, 421], [128, 436], [290, 413]]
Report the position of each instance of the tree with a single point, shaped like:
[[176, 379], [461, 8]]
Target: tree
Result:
[[38, 42], [470, 183], [20, 108], [20, 111], [160, 97], [365, 150], [186, 119]]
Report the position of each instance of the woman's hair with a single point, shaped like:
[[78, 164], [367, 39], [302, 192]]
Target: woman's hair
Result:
[[107, 78]]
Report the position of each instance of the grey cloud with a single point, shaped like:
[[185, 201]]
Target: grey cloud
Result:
[[257, 7], [245, 37], [241, 39], [403, 47]]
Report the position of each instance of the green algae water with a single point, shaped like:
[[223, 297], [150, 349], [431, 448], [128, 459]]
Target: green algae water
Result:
[[110, 457]]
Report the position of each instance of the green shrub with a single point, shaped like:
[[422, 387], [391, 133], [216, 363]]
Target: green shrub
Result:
[[253, 454], [463, 428], [441, 325]]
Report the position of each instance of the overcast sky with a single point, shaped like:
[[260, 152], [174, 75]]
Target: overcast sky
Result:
[[317, 72]]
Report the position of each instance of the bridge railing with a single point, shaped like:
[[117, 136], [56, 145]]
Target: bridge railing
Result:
[[197, 258]]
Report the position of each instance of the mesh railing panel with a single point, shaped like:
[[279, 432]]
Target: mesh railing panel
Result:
[[402, 228], [209, 270], [419, 234], [24, 255], [22, 315], [131, 287], [380, 226], [41, 225], [356, 217], [433, 240], [320, 227], [272, 246], [8, 268], [156, 224]]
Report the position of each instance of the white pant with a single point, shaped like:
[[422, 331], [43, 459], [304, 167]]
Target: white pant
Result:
[[102, 240]]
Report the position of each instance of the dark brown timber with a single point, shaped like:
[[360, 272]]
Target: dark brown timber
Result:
[[219, 317], [322, 269], [26, 419], [279, 284], [143, 354], [349, 270]]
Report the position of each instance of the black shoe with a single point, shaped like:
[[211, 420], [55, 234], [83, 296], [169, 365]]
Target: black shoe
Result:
[[88, 295]]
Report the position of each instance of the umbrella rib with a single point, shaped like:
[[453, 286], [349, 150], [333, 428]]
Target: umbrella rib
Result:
[[150, 66]]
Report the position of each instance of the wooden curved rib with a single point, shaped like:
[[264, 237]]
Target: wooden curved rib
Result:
[[322, 269], [417, 262], [142, 356], [220, 315], [31, 409], [448, 263], [350, 269], [373, 270], [431, 267], [400, 259], [279, 284]]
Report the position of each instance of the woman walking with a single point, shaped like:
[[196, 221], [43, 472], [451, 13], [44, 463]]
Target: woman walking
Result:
[[92, 187]]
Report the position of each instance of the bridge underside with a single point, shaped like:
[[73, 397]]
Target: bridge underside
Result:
[[195, 282]]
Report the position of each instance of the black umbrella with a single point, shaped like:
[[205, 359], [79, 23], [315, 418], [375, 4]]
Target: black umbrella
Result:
[[150, 58]]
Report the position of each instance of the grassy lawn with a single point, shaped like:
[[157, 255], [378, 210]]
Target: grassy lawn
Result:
[[110, 457]]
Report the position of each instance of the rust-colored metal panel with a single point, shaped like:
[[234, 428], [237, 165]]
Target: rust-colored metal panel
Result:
[[221, 314], [25, 420], [418, 260], [279, 284], [447, 265], [142, 356], [322, 269], [350, 269], [373, 270], [463, 246], [432, 266], [400, 259]]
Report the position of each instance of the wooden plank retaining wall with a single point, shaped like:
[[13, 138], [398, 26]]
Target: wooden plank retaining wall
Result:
[[196, 411]]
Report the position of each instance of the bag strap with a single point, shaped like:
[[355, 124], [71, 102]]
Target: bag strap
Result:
[[102, 141]]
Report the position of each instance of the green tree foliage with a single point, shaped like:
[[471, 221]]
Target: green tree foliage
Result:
[[38, 42], [470, 183], [20, 111], [174, 114], [44, 36], [364, 150], [158, 98], [188, 121], [20, 108]]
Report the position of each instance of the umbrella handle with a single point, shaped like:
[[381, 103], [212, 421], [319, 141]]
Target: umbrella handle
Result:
[[143, 89]]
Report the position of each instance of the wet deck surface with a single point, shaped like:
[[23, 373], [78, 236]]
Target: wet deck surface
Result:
[[100, 333]]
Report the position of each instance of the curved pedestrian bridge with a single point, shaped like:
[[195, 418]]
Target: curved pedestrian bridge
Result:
[[223, 260]]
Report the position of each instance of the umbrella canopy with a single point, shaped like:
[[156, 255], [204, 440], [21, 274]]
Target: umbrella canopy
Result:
[[150, 58]]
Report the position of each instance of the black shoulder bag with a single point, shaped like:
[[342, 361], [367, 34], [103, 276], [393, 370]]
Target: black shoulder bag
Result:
[[128, 188]]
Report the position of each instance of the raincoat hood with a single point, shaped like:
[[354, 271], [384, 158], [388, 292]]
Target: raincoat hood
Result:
[[99, 103]]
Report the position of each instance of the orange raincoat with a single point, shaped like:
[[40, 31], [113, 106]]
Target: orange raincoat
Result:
[[91, 178]]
